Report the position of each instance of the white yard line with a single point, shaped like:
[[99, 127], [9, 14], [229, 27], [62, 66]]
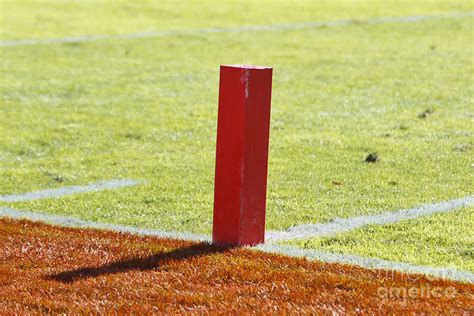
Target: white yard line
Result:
[[337, 225], [54, 193], [370, 263], [340, 225], [67, 221], [240, 29]]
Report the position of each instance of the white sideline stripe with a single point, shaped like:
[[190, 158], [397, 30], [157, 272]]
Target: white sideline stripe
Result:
[[250, 28], [369, 263], [54, 193], [79, 223], [339, 225]]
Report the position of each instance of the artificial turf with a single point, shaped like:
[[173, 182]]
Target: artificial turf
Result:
[[146, 108], [52, 270]]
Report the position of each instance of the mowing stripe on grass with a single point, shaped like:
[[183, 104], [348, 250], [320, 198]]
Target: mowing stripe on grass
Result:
[[250, 28], [370, 263], [54, 193], [339, 225]]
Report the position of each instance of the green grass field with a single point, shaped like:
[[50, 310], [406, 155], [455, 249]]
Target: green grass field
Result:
[[440, 240], [146, 109]]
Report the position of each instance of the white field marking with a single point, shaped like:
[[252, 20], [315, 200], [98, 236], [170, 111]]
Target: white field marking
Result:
[[67, 221], [239, 29], [369, 263], [54, 193], [340, 225]]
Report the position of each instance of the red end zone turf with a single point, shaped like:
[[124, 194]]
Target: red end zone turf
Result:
[[61, 270]]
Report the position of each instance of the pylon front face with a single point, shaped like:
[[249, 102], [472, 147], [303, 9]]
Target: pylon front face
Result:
[[242, 155]]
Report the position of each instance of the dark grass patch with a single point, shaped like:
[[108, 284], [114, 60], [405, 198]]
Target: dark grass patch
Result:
[[426, 113], [372, 158]]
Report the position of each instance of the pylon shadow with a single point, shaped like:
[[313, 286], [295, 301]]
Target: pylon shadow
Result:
[[141, 264]]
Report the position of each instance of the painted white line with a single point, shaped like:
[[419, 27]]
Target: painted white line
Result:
[[340, 225], [54, 193], [240, 29], [79, 223], [369, 263]]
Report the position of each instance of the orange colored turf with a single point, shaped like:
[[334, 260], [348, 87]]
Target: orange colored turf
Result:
[[48, 269]]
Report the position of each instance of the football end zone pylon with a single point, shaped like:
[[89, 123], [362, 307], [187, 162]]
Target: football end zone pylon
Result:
[[243, 128]]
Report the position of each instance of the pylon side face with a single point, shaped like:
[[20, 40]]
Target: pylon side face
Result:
[[242, 155]]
